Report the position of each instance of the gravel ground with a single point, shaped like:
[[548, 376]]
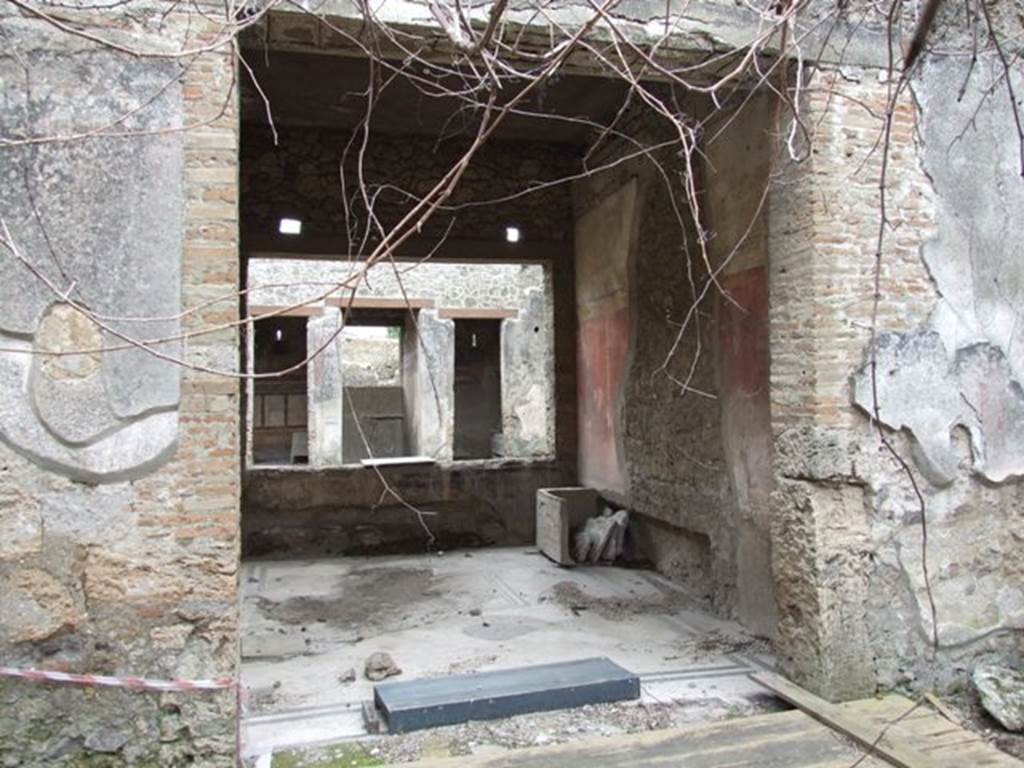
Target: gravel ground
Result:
[[592, 721]]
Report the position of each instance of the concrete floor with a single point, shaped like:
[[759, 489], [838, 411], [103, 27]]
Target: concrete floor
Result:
[[307, 622]]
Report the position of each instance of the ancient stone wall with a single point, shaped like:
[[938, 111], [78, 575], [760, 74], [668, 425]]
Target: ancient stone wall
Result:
[[737, 182], [119, 477], [300, 177], [290, 512], [650, 427], [285, 282], [854, 608], [528, 338]]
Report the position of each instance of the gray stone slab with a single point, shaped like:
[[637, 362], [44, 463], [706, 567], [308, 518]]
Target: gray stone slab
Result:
[[418, 704]]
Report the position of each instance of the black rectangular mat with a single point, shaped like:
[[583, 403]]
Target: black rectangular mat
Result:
[[417, 704]]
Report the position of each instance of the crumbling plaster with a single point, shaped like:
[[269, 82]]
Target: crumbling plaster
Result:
[[111, 415], [964, 366], [644, 441], [854, 608]]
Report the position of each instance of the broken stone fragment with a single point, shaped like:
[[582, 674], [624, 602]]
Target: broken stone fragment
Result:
[[602, 538], [348, 676], [1002, 693], [380, 666]]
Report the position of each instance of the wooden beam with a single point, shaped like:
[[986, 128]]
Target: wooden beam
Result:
[[476, 313], [874, 739], [256, 312], [359, 303]]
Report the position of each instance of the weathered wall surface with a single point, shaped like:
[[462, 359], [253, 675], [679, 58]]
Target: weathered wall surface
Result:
[[284, 282], [854, 609], [370, 361], [736, 174], [118, 473], [380, 429], [299, 177], [529, 377], [289, 512], [428, 384], [326, 394], [643, 440], [604, 245]]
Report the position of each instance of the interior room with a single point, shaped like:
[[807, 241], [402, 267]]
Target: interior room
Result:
[[534, 333]]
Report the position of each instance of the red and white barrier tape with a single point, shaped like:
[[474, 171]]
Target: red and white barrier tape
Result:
[[104, 681]]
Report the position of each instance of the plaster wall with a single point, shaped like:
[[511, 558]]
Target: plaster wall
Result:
[[326, 394], [529, 377], [119, 473], [604, 243], [854, 608]]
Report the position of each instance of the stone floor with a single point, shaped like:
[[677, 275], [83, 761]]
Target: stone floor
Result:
[[306, 623]]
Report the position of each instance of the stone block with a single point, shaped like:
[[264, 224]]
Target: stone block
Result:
[[559, 512]]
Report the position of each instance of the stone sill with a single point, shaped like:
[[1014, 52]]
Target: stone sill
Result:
[[489, 465]]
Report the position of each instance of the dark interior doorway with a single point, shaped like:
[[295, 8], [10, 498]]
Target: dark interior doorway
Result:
[[280, 433], [477, 388]]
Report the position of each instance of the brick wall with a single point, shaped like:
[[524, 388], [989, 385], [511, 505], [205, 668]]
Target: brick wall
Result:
[[824, 218], [846, 526]]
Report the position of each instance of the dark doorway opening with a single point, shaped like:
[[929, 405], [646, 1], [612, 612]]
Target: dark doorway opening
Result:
[[280, 425], [477, 388]]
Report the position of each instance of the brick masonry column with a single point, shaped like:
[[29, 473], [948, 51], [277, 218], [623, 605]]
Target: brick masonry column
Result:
[[823, 222]]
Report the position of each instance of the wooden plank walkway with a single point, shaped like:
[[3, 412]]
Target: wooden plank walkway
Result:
[[790, 739]]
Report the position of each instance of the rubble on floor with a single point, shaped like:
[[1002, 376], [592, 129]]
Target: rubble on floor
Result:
[[1002, 694], [558, 727], [380, 666], [603, 537]]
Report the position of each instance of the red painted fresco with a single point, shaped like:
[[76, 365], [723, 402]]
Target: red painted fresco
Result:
[[743, 333], [603, 346]]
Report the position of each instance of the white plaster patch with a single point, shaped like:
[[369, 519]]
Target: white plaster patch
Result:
[[922, 389]]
